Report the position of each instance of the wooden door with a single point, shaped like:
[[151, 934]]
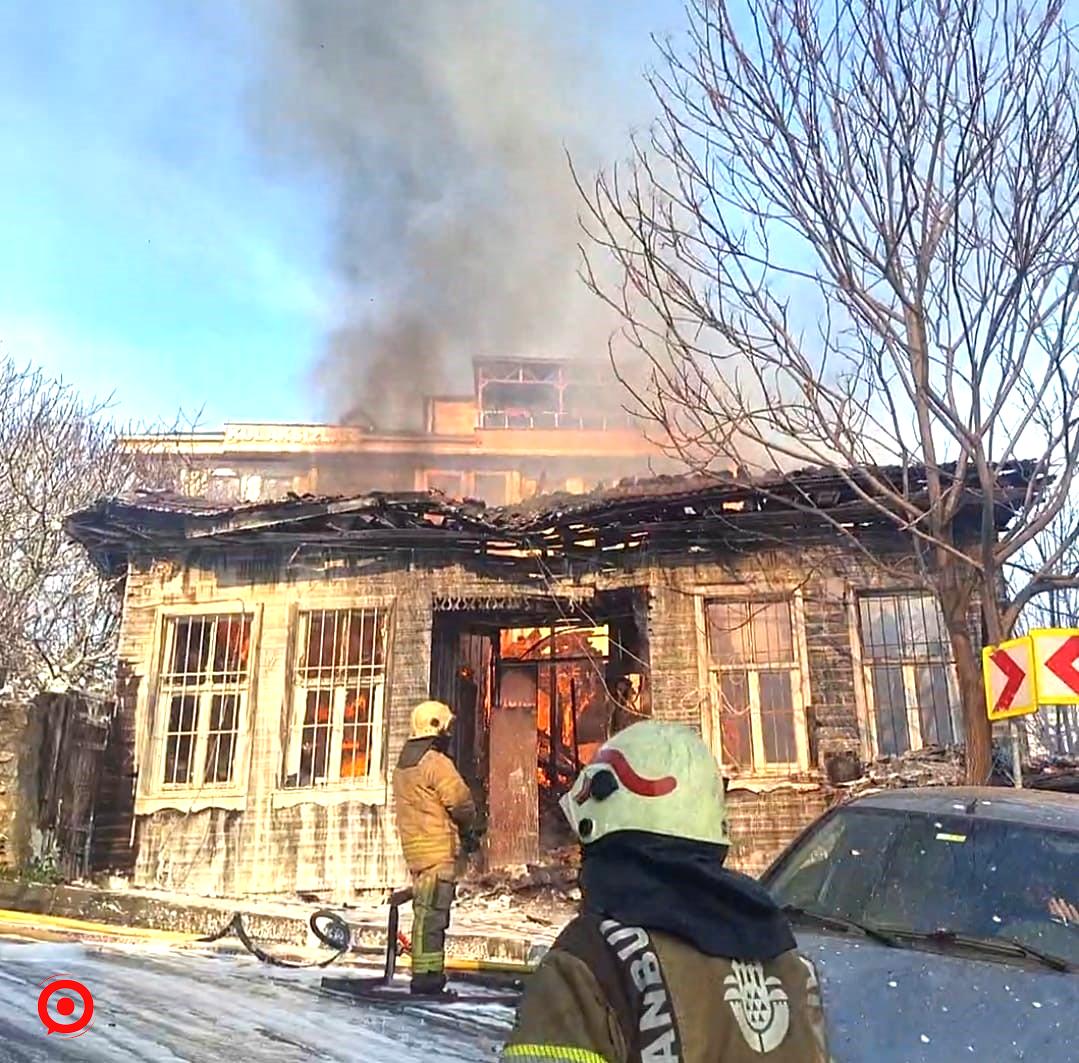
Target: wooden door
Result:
[[513, 829]]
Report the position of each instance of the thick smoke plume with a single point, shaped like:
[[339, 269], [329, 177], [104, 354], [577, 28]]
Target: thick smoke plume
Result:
[[441, 128]]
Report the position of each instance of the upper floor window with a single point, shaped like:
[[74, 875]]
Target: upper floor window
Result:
[[756, 680], [539, 393], [338, 691], [203, 694], [910, 682]]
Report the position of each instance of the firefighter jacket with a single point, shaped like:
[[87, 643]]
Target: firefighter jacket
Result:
[[715, 978], [433, 804]]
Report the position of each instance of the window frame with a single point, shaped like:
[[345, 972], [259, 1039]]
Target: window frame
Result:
[[797, 667], [426, 476], [372, 784], [152, 792], [908, 665], [469, 479]]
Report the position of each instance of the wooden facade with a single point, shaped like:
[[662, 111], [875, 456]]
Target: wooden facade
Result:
[[267, 768]]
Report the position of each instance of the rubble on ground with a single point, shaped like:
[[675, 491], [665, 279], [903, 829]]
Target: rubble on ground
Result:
[[1050, 772], [546, 889], [944, 766], [931, 766]]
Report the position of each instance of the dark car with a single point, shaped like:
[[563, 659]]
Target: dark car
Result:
[[942, 923]]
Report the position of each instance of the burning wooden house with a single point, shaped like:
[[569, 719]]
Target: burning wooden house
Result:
[[271, 654]]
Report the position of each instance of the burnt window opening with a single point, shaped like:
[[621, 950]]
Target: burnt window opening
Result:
[[451, 484], [492, 488], [527, 394], [909, 672], [222, 485], [338, 693], [203, 689], [756, 682]]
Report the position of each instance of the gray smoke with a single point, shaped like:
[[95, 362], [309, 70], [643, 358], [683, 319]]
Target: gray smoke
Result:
[[441, 129]]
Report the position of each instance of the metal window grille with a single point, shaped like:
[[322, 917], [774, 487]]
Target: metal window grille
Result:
[[203, 688], [909, 670], [338, 691], [544, 395], [756, 685]]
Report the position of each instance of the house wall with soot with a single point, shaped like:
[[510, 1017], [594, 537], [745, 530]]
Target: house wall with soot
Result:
[[823, 583], [258, 835]]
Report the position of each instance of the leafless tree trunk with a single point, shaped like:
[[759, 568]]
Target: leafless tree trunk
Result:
[[58, 452], [852, 240]]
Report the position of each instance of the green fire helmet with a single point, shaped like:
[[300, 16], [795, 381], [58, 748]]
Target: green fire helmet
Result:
[[655, 777]]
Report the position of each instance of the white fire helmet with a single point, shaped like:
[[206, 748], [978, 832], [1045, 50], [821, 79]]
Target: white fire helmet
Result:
[[655, 777], [430, 718]]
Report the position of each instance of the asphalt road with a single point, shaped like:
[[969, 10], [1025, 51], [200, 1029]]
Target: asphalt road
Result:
[[161, 1004]]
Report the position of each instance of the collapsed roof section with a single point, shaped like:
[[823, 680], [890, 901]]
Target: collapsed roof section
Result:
[[665, 514]]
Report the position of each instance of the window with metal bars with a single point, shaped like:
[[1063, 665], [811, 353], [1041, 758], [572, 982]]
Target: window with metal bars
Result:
[[756, 684], [910, 681], [203, 694], [338, 690]]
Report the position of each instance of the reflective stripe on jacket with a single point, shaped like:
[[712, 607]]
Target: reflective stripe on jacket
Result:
[[612, 994], [547, 1053]]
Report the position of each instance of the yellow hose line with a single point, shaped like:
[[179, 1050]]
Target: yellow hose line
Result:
[[29, 922], [33, 921], [493, 966]]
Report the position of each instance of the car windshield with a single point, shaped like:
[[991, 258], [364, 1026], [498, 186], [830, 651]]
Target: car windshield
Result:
[[925, 873]]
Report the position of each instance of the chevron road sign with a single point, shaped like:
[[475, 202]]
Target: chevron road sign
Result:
[[1010, 688], [1056, 665]]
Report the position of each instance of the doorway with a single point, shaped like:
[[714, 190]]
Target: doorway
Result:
[[535, 690]]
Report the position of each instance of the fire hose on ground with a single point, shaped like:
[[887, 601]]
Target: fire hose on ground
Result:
[[335, 933], [338, 936]]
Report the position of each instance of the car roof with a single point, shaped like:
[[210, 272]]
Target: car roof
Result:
[[1040, 808]]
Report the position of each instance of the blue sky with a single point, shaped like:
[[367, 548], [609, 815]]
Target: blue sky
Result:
[[151, 253]]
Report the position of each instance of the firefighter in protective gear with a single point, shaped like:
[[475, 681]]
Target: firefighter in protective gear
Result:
[[435, 820], [672, 956]]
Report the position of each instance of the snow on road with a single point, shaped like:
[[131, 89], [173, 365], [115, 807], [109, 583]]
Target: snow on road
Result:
[[156, 1004]]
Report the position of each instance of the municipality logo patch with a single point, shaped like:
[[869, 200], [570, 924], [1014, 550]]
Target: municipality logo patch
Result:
[[760, 1005]]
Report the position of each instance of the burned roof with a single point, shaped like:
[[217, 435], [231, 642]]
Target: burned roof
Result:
[[668, 511]]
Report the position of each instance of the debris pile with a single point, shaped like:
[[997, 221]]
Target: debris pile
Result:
[[1060, 773], [944, 766], [931, 766], [551, 886]]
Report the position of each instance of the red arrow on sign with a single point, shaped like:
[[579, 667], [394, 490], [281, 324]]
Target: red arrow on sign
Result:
[[1062, 663], [1015, 676]]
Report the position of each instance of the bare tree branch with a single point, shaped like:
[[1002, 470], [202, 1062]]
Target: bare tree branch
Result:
[[852, 239], [58, 453]]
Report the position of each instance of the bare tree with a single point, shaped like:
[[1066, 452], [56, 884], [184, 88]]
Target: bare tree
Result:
[[58, 452], [852, 240]]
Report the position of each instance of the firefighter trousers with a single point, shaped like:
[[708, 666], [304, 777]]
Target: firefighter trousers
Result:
[[433, 892]]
